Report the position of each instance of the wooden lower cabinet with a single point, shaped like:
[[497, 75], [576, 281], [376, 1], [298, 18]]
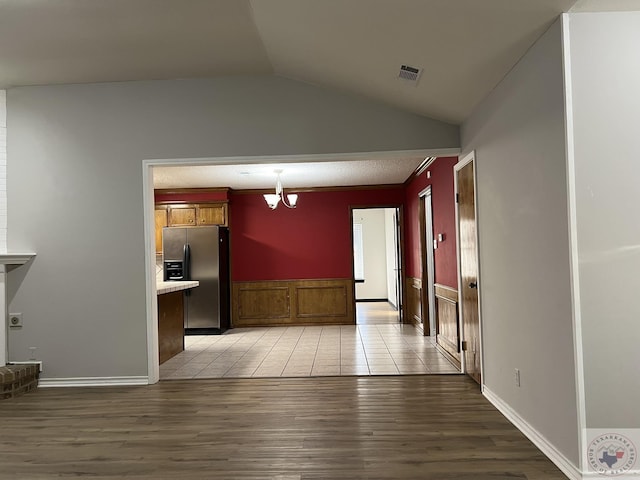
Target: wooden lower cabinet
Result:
[[170, 324], [293, 302]]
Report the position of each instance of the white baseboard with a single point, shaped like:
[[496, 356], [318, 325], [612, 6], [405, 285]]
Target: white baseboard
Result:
[[92, 381], [562, 462], [626, 475]]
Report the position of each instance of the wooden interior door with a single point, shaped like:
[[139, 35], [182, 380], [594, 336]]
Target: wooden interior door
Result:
[[469, 270]]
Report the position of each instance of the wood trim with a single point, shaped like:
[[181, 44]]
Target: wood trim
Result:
[[293, 302], [170, 191], [262, 191], [447, 344], [263, 300], [403, 280], [447, 321], [318, 301], [446, 293], [454, 360], [414, 301], [424, 295], [167, 203], [402, 298]]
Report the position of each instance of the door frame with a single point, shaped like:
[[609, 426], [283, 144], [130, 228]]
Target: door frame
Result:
[[428, 278], [463, 162], [400, 252], [151, 320]]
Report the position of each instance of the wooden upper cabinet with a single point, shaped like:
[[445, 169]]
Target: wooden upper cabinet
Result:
[[161, 222], [182, 215], [212, 214], [190, 215]]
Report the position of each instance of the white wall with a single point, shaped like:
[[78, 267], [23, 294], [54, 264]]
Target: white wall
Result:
[[3, 171], [605, 80], [391, 254], [519, 138], [75, 191], [375, 254]]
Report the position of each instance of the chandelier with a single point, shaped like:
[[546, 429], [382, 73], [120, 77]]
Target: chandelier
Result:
[[273, 199]]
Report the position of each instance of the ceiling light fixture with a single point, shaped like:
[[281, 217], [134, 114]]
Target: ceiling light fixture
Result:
[[273, 199]]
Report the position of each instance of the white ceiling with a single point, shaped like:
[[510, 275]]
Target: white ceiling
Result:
[[357, 46], [464, 46], [340, 172]]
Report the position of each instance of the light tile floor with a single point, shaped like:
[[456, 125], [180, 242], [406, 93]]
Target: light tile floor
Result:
[[378, 349]]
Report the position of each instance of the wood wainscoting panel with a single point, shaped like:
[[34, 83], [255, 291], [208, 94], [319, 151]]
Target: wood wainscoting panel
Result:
[[448, 336], [260, 303], [293, 302], [323, 302], [414, 301]]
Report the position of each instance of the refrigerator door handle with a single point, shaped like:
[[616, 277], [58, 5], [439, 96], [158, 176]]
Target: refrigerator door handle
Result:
[[186, 261]]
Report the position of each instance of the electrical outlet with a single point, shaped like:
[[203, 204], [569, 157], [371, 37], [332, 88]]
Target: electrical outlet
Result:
[[516, 377], [15, 319]]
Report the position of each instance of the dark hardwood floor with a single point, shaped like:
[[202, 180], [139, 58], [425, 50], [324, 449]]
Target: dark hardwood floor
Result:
[[418, 427]]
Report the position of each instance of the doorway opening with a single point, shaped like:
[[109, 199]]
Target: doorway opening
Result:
[[377, 260], [428, 263], [226, 355]]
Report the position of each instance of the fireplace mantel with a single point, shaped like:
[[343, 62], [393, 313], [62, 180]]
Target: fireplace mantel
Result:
[[15, 258]]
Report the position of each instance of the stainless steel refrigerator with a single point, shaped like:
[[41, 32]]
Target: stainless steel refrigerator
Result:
[[202, 254]]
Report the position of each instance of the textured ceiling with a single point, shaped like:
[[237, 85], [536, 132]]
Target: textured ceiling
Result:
[[357, 46], [294, 175]]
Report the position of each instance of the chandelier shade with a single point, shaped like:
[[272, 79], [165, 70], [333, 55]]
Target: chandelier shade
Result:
[[274, 199]]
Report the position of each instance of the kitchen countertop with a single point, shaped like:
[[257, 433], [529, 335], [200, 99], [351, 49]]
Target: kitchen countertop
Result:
[[167, 287]]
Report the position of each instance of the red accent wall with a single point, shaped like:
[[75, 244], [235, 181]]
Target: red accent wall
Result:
[[443, 202], [192, 197], [312, 241]]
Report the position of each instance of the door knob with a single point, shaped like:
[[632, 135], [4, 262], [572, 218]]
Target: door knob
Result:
[[473, 285]]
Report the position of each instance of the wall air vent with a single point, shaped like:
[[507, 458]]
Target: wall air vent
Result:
[[412, 74]]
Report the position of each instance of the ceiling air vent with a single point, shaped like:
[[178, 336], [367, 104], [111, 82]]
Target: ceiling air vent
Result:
[[411, 74]]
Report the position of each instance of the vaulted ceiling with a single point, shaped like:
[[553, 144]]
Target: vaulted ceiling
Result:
[[464, 48]]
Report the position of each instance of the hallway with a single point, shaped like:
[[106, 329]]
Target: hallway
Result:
[[375, 313]]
